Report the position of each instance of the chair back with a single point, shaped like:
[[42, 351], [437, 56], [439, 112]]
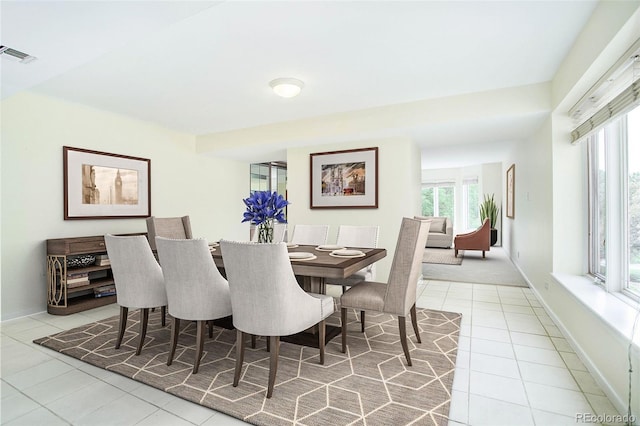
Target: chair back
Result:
[[196, 290], [359, 236], [168, 227], [406, 267], [265, 296], [136, 273], [312, 235], [279, 231]]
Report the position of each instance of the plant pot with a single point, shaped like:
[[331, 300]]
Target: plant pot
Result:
[[494, 236]]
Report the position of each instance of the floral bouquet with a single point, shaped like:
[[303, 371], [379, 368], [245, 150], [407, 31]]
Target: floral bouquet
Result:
[[263, 207]]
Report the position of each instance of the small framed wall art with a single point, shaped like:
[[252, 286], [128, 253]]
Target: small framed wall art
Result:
[[511, 187], [344, 179], [100, 185]]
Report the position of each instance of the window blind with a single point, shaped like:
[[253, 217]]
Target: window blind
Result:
[[614, 94], [624, 102]]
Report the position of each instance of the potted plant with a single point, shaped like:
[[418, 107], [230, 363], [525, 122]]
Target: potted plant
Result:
[[488, 209]]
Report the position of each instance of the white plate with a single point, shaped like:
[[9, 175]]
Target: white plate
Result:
[[291, 245], [347, 253], [329, 247], [213, 244], [211, 249], [301, 255]]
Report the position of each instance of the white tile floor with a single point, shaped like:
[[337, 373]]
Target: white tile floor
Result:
[[513, 368]]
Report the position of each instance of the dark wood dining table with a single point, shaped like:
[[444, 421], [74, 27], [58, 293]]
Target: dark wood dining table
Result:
[[315, 271]]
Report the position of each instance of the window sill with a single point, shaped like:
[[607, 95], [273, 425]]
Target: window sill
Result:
[[618, 311]]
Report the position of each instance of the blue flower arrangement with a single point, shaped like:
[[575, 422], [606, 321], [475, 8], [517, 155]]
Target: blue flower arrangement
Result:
[[263, 207]]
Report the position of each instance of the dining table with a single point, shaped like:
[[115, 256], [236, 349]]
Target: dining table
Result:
[[324, 263]]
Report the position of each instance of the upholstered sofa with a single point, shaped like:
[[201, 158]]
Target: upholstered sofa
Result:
[[440, 232]]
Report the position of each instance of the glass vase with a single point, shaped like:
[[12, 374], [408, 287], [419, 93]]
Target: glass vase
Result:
[[265, 231]]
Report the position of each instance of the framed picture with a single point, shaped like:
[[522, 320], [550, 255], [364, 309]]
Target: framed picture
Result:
[[344, 179], [511, 187], [100, 185]]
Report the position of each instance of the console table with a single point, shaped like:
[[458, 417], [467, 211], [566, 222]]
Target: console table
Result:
[[63, 298]]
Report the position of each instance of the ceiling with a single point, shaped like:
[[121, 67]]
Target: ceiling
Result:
[[203, 66]]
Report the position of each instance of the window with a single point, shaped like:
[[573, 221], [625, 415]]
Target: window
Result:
[[268, 177], [438, 199], [470, 203], [614, 203]]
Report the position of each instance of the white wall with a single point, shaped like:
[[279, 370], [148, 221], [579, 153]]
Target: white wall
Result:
[[34, 129], [550, 226], [398, 196]]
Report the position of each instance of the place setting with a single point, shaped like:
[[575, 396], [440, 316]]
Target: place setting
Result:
[[347, 253], [302, 255], [330, 247]]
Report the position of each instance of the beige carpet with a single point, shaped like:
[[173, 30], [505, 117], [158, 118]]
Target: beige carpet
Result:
[[371, 384], [442, 256], [497, 268]]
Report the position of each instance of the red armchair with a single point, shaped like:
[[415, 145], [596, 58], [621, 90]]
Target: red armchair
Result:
[[480, 239]]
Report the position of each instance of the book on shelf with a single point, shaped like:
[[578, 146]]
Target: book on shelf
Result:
[[77, 284], [77, 277], [107, 290], [102, 256], [104, 262]]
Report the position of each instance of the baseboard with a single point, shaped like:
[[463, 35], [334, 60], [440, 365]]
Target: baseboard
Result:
[[616, 400]]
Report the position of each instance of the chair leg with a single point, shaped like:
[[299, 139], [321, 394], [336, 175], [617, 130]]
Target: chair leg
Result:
[[414, 321], [343, 322], [362, 321], [403, 338], [456, 253], [239, 357], [199, 344], [483, 254], [210, 325], [144, 320], [268, 345], [175, 332], [273, 363], [344, 288], [253, 341], [163, 312], [124, 313], [322, 330]]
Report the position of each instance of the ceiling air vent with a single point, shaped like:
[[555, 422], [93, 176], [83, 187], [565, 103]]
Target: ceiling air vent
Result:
[[16, 55]]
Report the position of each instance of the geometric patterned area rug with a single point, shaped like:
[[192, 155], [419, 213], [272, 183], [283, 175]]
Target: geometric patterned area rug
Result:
[[442, 256], [369, 385]]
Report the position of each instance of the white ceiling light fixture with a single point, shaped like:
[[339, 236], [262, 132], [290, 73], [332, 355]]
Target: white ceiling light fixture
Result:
[[287, 87]]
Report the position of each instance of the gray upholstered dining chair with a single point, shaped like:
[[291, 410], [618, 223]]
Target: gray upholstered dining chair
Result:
[[311, 235], [168, 227], [196, 290], [267, 300], [357, 236], [398, 295], [138, 279]]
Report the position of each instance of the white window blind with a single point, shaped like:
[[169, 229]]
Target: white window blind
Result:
[[616, 93]]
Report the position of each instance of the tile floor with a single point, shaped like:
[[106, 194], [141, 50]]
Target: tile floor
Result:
[[514, 368]]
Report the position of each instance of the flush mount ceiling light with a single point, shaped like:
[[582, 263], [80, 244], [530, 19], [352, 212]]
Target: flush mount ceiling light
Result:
[[286, 87]]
